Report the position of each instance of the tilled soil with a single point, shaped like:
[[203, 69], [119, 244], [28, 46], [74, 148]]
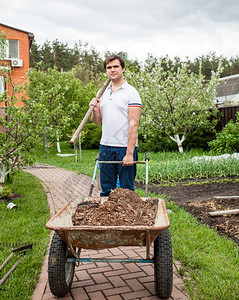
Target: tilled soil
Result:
[[197, 197], [123, 208]]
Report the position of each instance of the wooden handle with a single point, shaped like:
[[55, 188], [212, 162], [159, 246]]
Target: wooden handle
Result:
[[87, 115]]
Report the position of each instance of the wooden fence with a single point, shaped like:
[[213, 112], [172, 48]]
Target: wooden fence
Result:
[[227, 113]]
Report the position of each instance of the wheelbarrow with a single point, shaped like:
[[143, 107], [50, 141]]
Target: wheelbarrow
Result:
[[68, 240]]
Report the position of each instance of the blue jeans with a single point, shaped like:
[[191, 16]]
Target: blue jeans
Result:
[[109, 172]]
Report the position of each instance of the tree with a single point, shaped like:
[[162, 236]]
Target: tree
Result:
[[19, 128], [18, 125], [63, 99], [175, 102]]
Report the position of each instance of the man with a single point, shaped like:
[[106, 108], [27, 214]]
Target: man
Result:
[[119, 111]]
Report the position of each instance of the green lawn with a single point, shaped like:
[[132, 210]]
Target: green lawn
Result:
[[26, 224]]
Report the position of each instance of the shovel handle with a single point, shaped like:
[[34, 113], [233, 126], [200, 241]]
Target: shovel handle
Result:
[[87, 115]]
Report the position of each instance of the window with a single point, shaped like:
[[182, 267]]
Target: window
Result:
[[1, 85], [12, 49]]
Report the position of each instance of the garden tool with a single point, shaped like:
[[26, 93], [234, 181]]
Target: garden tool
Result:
[[87, 115], [21, 249]]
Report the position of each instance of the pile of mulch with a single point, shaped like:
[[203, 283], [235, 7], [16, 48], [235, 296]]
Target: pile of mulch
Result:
[[123, 208]]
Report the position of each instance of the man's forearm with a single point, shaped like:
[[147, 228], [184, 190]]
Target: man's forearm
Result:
[[96, 117], [132, 138]]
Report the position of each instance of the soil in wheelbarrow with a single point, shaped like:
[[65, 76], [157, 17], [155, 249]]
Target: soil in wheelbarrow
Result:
[[197, 197], [123, 207]]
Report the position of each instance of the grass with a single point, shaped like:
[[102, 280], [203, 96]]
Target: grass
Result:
[[26, 224]]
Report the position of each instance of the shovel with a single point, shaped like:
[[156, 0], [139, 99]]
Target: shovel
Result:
[[87, 115]]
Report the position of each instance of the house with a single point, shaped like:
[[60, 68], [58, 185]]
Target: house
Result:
[[17, 59], [228, 91]]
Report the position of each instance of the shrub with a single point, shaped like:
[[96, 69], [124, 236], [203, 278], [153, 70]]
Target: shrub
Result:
[[228, 139], [91, 136]]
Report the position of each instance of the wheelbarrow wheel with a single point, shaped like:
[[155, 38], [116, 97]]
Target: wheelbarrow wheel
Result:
[[60, 272], [163, 265]]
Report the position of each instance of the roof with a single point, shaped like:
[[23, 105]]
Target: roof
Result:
[[30, 34], [228, 86]]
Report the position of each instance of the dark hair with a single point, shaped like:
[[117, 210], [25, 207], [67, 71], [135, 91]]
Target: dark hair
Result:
[[113, 57]]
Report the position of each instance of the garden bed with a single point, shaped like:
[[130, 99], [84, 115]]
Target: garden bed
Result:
[[197, 197]]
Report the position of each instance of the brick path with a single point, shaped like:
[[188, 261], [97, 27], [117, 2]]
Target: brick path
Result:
[[112, 281]]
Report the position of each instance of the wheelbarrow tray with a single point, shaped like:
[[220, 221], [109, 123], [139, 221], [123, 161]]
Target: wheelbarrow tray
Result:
[[102, 237]]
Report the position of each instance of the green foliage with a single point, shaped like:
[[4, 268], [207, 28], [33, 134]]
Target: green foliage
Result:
[[228, 139], [176, 102], [5, 191], [92, 135], [63, 99], [20, 126], [3, 41]]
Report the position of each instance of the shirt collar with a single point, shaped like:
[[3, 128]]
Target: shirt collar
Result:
[[123, 86]]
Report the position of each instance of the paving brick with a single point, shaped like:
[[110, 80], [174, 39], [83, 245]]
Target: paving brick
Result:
[[79, 294], [99, 278], [82, 275], [117, 281], [135, 285], [83, 283], [116, 291], [97, 296], [115, 297], [132, 267], [133, 275], [178, 295], [117, 272], [150, 287], [100, 270], [148, 270], [146, 279], [135, 295], [116, 266], [99, 287], [152, 298]]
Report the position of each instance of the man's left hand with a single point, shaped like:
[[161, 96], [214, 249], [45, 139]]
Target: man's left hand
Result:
[[128, 160]]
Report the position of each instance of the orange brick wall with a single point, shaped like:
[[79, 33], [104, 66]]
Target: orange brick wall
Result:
[[19, 73]]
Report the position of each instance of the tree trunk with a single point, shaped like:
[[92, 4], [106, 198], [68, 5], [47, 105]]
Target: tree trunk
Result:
[[179, 141], [58, 144], [3, 174]]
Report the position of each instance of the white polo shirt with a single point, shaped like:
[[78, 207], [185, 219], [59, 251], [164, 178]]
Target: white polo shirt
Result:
[[114, 112]]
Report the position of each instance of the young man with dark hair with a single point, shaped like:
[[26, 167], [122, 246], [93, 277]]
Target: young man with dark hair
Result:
[[119, 111]]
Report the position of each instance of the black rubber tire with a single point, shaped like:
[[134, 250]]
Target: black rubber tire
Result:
[[163, 265], [60, 272]]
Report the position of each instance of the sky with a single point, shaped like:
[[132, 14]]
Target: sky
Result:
[[188, 28]]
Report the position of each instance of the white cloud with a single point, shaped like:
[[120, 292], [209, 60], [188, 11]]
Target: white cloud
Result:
[[174, 27]]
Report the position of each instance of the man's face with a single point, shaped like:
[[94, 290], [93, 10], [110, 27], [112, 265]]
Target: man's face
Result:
[[114, 70]]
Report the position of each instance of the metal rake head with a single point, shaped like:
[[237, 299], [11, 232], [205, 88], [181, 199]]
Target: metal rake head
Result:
[[17, 244]]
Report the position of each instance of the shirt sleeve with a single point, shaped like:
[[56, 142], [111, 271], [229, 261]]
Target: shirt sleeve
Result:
[[134, 100]]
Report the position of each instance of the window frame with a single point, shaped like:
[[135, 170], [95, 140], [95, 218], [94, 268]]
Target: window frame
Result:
[[8, 48]]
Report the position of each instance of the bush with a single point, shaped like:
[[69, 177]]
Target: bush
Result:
[[91, 136], [156, 144], [198, 140], [228, 139]]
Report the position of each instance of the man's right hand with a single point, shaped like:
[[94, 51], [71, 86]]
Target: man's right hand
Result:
[[96, 103]]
